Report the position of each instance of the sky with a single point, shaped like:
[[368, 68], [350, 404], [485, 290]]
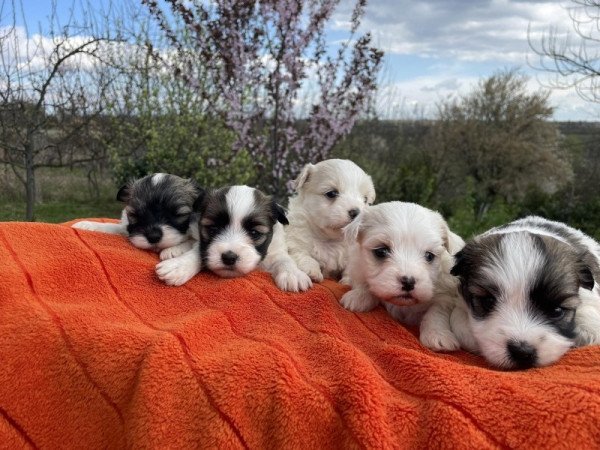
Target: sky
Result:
[[436, 49]]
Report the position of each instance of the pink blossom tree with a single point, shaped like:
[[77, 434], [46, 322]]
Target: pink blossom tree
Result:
[[269, 73]]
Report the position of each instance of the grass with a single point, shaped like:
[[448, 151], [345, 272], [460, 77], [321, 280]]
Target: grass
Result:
[[61, 211], [63, 195]]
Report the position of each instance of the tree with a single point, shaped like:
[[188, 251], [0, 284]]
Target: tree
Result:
[[48, 99], [574, 59], [495, 143], [159, 123], [262, 59]]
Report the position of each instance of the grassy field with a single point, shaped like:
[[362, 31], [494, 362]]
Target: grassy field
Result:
[[63, 195], [56, 212]]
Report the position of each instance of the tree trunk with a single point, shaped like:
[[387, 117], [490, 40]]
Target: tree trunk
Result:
[[29, 184]]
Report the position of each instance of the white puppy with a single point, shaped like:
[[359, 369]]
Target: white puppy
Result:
[[400, 257], [241, 229], [330, 194], [529, 292]]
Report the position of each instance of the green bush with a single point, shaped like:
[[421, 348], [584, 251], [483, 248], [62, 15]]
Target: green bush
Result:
[[187, 145]]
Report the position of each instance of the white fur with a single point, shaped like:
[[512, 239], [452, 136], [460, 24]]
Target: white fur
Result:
[[240, 203], [314, 237], [409, 231], [180, 269], [513, 319], [157, 178], [170, 238]]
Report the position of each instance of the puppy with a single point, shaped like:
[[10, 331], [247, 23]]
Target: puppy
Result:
[[330, 195], [240, 230], [157, 215], [399, 256], [529, 293]]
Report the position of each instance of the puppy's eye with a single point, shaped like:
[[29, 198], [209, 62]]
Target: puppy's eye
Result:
[[332, 194], [212, 230], [366, 200], [255, 234], [482, 305], [557, 313], [381, 252], [429, 257]]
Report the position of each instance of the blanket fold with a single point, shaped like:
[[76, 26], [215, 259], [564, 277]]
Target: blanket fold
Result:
[[96, 353]]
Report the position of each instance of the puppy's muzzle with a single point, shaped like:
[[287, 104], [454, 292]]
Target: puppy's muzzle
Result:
[[408, 283], [153, 235], [353, 213], [229, 258], [523, 354]]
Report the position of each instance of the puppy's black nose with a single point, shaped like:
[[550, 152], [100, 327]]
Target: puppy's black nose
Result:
[[408, 283], [229, 258], [353, 213], [153, 235], [524, 355]]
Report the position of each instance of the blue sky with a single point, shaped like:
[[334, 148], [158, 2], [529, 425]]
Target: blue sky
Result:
[[435, 48]]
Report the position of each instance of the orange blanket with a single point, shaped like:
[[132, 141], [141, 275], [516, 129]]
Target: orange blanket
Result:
[[96, 353]]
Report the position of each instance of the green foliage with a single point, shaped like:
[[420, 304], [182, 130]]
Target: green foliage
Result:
[[184, 144], [467, 218]]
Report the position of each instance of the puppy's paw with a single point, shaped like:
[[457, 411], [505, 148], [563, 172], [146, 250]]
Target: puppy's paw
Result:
[[439, 341], [175, 271], [293, 281], [175, 251], [311, 268], [87, 225], [358, 300]]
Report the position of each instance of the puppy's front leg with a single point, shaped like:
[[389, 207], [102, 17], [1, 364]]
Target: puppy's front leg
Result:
[[176, 250], [179, 270], [459, 323], [435, 332], [587, 318], [359, 299], [110, 228], [282, 267], [308, 265]]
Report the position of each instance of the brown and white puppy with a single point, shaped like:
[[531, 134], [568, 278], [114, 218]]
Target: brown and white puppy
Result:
[[529, 293], [240, 229], [158, 214], [329, 195], [399, 256]]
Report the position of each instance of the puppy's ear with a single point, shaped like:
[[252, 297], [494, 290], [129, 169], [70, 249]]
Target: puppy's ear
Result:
[[303, 177], [279, 213], [460, 265], [124, 193], [353, 230], [198, 205], [371, 193], [584, 271], [586, 279], [199, 189]]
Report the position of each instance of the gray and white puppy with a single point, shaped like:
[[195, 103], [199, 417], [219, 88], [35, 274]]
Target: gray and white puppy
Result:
[[241, 229], [530, 291], [158, 214]]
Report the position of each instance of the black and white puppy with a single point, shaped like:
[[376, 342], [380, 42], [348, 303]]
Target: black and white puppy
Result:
[[158, 214], [240, 230], [530, 293]]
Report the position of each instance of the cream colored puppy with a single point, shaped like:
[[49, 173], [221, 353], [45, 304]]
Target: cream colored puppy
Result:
[[330, 195], [400, 256]]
